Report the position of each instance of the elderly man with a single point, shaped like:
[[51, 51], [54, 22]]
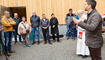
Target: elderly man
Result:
[[8, 24], [15, 27], [93, 27], [35, 22], [45, 29]]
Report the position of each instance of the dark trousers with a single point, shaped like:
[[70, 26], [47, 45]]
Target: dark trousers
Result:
[[8, 40], [95, 53], [25, 38], [15, 35], [73, 33], [46, 34], [53, 35]]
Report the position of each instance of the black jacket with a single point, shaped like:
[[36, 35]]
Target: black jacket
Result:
[[18, 20], [54, 21], [35, 23], [44, 23]]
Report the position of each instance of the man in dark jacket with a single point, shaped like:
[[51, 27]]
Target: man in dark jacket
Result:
[[35, 22], [68, 20], [93, 26], [15, 27], [54, 27], [45, 29]]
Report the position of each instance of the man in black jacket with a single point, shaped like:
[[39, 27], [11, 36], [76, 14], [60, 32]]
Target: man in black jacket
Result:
[[15, 33], [45, 28], [35, 22]]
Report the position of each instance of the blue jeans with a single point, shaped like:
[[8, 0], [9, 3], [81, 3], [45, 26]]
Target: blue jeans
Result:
[[36, 33], [3, 38], [8, 40], [68, 31], [15, 35]]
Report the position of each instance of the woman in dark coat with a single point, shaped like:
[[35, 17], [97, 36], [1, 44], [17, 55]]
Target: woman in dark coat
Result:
[[54, 27]]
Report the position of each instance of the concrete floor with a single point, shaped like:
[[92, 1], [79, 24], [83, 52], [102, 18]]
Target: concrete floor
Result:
[[65, 50]]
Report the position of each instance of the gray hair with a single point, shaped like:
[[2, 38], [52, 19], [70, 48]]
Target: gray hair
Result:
[[80, 12], [5, 12], [15, 13]]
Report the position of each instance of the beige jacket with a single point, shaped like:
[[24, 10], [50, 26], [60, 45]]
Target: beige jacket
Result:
[[22, 29]]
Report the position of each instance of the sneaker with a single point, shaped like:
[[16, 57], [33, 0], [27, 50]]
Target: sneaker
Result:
[[28, 45], [25, 45], [33, 43]]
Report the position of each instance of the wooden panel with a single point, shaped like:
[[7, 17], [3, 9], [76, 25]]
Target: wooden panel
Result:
[[101, 6], [58, 7]]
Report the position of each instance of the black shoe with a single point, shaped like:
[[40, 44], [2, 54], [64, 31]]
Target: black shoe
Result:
[[74, 39], [15, 43], [11, 51], [45, 42], [84, 56], [50, 43], [38, 42], [67, 38], [33, 43], [79, 55], [54, 40], [58, 41]]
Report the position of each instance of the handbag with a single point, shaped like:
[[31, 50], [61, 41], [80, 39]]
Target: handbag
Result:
[[27, 31]]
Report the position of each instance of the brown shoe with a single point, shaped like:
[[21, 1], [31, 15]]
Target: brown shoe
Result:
[[11, 51]]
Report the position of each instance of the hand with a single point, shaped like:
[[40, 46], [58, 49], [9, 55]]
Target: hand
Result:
[[21, 33], [53, 26], [44, 27], [76, 21], [82, 19]]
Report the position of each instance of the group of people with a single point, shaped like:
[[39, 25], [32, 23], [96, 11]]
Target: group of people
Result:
[[20, 28], [44, 23], [86, 27], [74, 31], [89, 30]]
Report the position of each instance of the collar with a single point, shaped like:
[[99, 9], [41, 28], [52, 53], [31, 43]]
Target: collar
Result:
[[23, 22], [15, 18], [92, 11]]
